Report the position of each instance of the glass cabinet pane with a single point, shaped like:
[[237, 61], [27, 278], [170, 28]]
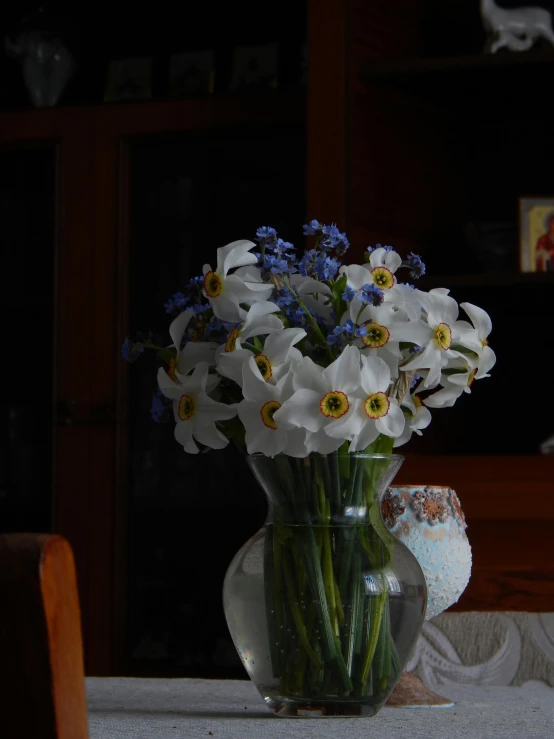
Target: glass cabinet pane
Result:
[[28, 217], [189, 515]]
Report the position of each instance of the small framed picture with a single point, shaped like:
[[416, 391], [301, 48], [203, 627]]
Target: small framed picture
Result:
[[129, 79], [255, 67], [536, 234], [192, 74]]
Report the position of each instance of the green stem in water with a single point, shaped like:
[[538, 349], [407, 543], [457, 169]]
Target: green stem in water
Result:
[[297, 615], [373, 635]]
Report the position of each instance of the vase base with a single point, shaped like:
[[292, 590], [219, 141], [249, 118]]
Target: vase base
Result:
[[410, 692], [290, 708]]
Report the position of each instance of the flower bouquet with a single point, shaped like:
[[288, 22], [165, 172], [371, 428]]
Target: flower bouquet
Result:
[[317, 370]]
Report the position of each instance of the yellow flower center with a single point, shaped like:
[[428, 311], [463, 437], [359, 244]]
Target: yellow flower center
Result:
[[334, 405], [230, 344], [264, 365], [417, 402], [471, 377], [267, 411], [377, 405], [376, 336], [443, 336], [212, 284], [187, 407], [383, 278], [171, 369]]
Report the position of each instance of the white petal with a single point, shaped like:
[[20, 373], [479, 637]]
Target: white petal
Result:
[[235, 254], [266, 441], [392, 260], [344, 373], [367, 435], [375, 375], [460, 379], [415, 332], [357, 275], [210, 436], [308, 286], [183, 434], [194, 352], [480, 319], [278, 344], [209, 410], [486, 363], [231, 364], [422, 419], [227, 308], [320, 442], [393, 423], [296, 443], [309, 375], [404, 437], [254, 387], [444, 398], [178, 327], [301, 410], [169, 388], [259, 320]]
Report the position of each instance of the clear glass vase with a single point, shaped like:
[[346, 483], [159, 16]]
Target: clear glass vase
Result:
[[324, 605]]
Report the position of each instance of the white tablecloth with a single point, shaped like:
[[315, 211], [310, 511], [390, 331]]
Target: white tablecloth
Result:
[[137, 708]]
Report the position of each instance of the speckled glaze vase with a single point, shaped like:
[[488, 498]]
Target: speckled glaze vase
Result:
[[429, 520]]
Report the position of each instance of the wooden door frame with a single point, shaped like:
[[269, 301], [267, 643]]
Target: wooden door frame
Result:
[[77, 508]]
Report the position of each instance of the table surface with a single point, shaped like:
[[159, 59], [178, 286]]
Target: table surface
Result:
[[121, 708]]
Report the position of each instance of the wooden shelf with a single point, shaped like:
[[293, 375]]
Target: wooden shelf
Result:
[[390, 69], [478, 88], [272, 107]]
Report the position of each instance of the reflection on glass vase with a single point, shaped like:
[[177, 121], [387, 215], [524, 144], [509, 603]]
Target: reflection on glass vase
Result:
[[323, 604]]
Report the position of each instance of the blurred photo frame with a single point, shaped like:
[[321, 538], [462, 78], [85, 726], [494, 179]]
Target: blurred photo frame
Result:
[[255, 67], [536, 234], [129, 79], [192, 74]]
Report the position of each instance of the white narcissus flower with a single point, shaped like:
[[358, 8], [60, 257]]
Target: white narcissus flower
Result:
[[321, 398], [313, 293], [225, 292], [417, 418], [373, 411], [453, 385], [193, 352], [435, 335], [258, 322], [379, 271], [257, 413], [195, 412], [273, 361], [477, 340]]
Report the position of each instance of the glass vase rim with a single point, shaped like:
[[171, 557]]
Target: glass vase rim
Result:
[[358, 455]]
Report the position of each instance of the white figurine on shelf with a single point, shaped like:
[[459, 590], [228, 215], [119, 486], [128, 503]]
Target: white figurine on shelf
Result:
[[516, 28]]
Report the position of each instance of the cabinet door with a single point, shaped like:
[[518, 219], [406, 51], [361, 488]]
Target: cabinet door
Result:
[[28, 213], [183, 517]]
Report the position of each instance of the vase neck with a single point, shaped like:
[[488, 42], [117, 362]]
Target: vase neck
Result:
[[333, 489]]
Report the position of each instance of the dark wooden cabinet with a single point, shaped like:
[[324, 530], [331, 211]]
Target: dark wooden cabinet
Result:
[[129, 200]]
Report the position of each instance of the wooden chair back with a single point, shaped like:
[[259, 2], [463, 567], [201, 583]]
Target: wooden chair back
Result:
[[42, 688]]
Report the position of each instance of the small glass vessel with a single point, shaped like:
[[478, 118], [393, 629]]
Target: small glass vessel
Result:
[[324, 605]]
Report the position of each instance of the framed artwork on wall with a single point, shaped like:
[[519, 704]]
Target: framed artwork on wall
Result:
[[536, 234], [129, 79], [192, 74], [255, 67]]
